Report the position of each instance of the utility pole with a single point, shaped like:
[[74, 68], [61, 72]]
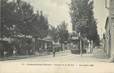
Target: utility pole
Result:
[[80, 43], [0, 24], [0, 28]]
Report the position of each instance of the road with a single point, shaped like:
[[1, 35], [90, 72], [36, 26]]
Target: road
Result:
[[62, 57], [63, 62]]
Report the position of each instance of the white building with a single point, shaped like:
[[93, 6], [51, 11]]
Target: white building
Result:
[[109, 44]]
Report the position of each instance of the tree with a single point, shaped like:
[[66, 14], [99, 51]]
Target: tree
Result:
[[15, 18], [40, 25], [63, 33], [83, 10], [34, 24], [25, 11], [8, 18], [18, 18], [53, 32]]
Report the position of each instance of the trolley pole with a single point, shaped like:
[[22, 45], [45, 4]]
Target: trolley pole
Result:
[[80, 44]]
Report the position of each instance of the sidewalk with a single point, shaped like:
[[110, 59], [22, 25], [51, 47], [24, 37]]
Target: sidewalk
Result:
[[99, 53], [62, 53], [16, 57]]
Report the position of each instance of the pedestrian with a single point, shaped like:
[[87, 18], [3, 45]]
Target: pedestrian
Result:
[[54, 52]]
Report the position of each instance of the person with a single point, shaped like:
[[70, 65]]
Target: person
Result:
[[14, 52], [89, 47], [54, 52]]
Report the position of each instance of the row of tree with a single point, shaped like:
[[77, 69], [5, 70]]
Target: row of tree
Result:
[[18, 18], [60, 33], [80, 11]]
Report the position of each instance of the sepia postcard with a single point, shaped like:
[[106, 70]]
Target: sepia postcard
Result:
[[56, 36]]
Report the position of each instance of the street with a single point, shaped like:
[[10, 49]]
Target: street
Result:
[[64, 56], [57, 36], [63, 62]]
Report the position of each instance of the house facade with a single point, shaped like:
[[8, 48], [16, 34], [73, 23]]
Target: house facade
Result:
[[109, 36], [112, 27], [107, 43]]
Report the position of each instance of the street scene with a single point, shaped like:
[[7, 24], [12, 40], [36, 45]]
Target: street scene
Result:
[[57, 31], [62, 57], [56, 36]]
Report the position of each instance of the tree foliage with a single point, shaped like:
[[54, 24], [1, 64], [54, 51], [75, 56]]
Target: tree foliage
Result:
[[40, 25], [19, 18], [59, 33], [53, 32], [63, 32], [83, 10], [8, 18]]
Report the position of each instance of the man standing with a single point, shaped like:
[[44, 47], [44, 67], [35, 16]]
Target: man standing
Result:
[[54, 52]]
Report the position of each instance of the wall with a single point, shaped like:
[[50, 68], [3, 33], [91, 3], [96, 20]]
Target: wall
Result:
[[107, 39], [112, 27]]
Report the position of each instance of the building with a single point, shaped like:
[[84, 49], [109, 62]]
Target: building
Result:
[[107, 43], [109, 35]]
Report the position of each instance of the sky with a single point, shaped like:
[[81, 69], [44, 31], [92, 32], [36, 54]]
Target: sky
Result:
[[58, 11], [100, 13]]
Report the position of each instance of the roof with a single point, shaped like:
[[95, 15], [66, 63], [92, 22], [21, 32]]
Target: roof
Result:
[[48, 38], [75, 38]]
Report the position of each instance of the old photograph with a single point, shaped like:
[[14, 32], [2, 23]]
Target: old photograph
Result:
[[56, 33]]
